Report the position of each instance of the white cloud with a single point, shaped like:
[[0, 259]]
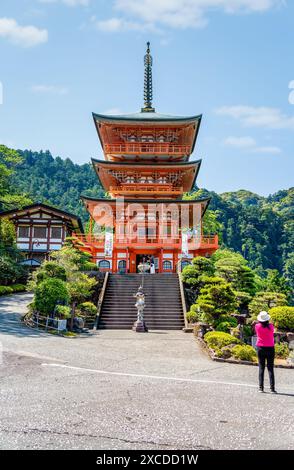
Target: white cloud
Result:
[[49, 89], [70, 3], [274, 150], [240, 142], [268, 118], [177, 13], [114, 25], [249, 144], [25, 36], [113, 111]]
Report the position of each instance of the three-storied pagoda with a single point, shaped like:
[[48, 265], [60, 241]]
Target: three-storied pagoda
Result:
[[146, 170]]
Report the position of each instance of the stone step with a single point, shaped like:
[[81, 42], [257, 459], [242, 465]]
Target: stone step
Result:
[[163, 302]]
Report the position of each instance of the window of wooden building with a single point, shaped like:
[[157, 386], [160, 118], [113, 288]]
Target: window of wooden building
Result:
[[23, 231], [56, 232], [40, 232]]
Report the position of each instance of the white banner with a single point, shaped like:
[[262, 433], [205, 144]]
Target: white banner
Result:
[[185, 249], [108, 243]]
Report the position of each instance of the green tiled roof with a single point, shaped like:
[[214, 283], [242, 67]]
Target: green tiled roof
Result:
[[156, 117]]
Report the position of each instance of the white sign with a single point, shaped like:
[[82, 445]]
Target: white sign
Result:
[[185, 249], [108, 243]]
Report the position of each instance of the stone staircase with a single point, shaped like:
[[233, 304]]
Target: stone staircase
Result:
[[163, 309]]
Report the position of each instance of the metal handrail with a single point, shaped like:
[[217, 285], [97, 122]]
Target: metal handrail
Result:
[[183, 299]]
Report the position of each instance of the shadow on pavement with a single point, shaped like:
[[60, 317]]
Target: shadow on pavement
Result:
[[285, 394]]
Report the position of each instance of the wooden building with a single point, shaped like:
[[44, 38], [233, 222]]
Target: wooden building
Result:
[[41, 229], [145, 171]]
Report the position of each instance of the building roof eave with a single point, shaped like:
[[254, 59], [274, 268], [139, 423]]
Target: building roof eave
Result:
[[41, 205], [145, 117], [149, 201]]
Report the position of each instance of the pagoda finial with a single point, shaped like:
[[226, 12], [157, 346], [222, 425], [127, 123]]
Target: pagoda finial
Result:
[[148, 93]]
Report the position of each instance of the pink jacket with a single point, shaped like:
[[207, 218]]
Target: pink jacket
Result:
[[265, 336]]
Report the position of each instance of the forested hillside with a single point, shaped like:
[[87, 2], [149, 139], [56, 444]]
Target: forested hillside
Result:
[[56, 181], [260, 228]]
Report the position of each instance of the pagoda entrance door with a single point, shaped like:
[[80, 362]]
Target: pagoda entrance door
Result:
[[141, 256]]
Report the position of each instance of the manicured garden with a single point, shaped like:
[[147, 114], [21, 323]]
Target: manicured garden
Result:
[[65, 297], [225, 297]]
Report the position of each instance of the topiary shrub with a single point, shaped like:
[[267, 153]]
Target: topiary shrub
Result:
[[247, 331], [62, 311], [227, 318], [263, 301], [283, 317], [50, 269], [282, 350], [244, 353], [88, 309], [224, 326], [219, 339], [48, 293], [193, 314], [225, 323], [89, 267]]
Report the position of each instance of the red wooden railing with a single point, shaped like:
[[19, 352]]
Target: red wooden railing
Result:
[[147, 188], [146, 147], [97, 241]]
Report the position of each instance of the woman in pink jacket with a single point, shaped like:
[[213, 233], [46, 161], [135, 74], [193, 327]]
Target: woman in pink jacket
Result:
[[265, 349]]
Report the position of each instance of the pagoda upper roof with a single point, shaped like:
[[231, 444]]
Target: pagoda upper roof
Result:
[[147, 117]]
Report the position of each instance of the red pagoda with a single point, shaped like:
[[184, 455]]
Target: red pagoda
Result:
[[145, 172]]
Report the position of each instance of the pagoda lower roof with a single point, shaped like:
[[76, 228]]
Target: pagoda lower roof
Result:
[[204, 201]]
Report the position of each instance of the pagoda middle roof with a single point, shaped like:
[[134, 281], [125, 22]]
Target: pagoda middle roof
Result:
[[145, 117], [104, 164], [146, 165]]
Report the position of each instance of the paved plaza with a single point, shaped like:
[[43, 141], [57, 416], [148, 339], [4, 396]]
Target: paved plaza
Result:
[[116, 389]]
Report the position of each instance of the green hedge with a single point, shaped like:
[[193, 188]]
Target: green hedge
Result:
[[18, 288], [6, 290], [283, 317], [219, 339]]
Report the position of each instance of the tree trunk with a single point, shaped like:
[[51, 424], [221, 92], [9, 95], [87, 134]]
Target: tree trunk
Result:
[[73, 309]]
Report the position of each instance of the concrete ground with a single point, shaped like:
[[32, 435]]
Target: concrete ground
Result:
[[126, 390]]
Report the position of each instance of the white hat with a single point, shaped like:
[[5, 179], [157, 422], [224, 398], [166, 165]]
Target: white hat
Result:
[[263, 316]]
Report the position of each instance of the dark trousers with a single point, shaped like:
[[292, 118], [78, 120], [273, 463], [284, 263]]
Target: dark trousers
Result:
[[266, 355]]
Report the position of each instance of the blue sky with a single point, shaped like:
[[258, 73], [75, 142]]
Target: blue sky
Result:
[[231, 60]]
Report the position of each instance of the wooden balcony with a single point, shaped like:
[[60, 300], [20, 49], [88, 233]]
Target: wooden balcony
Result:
[[136, 148], [164, 190], [95, 242]]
